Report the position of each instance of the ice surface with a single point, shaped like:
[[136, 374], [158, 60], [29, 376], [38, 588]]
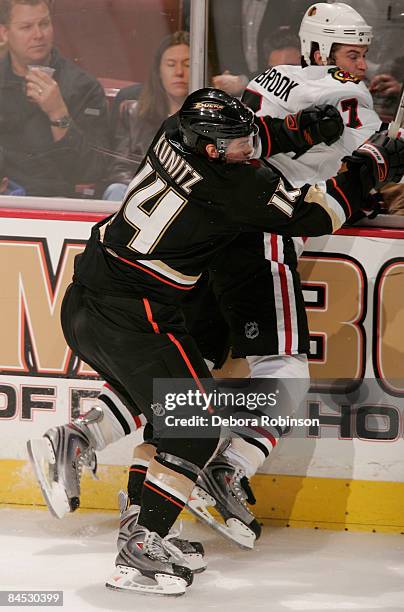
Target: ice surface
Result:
[[291, 569]]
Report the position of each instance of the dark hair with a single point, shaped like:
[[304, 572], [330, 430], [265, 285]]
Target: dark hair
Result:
[[315, 47], [6, 6], [153, 101], [280, 38]]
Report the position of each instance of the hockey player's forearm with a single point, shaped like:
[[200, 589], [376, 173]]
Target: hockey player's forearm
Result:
[[312, 210], [339, 197], [269, 128], [378, 161], [320, 209], [323, 208], [300, 131]]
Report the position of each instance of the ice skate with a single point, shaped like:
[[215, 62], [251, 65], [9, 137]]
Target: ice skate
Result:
[[149, 564], [193, 552], [58, 459], [226, 488]]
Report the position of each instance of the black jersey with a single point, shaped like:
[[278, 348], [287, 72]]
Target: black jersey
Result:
[[182, 208]]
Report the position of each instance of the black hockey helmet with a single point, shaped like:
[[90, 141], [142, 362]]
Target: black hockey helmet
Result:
[[210, 115]]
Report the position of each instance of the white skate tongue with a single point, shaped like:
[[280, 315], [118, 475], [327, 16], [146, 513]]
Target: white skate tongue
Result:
[[129, 579]]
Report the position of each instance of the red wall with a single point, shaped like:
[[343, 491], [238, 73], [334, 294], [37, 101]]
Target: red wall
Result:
[[114, 38]]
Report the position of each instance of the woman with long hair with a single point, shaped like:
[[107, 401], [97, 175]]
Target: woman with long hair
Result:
[[161, 96]]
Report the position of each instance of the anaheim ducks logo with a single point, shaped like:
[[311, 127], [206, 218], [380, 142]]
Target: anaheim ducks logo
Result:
[[343, 76], [208, 105]]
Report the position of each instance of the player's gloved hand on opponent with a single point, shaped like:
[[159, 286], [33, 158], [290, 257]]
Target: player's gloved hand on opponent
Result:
[[377, 161], [297, 133], [313, 125]]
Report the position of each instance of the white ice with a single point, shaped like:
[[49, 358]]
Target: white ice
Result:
[[291, 569]]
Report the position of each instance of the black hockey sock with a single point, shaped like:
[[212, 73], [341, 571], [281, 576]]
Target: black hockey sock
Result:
[[137, 474], [159, 509], [166, 488], [142, 455]]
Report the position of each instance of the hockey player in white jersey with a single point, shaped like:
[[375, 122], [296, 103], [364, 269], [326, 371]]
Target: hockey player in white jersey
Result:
[[334, 42], [283, 90]]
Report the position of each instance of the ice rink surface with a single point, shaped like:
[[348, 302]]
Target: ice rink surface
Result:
[[291, 569]]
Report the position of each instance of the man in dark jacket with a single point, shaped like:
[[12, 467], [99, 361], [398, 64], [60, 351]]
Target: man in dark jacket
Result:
[[53, 115]]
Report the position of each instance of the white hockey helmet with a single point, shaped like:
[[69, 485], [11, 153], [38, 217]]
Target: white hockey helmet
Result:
[[326, 24]]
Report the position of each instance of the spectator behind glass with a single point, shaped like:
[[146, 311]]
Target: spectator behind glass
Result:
[[282, 47], [49, 123], [385, 88], [161, 96], [239, 29]]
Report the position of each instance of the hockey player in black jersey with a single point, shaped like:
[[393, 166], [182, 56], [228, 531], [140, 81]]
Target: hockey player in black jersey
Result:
[[194, 193], [265, 291]]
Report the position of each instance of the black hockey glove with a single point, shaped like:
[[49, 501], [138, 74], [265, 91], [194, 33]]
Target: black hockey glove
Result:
[[313, 125], [379, 160]]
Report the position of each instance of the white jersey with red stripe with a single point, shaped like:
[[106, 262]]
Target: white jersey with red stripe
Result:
[[287, 89], [279, 92]]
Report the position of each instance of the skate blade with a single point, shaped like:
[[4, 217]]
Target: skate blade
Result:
[[42, 457], [233, 529], [130, 579]]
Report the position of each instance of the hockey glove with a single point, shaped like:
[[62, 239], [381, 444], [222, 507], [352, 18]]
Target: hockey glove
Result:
[[313, 125], [377, 161], [298, 133]]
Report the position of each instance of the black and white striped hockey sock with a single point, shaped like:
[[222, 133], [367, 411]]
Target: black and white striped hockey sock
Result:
[[117, 420], [251, 445]]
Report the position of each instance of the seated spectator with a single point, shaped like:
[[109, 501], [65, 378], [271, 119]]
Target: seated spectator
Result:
[[10, 188], [385, 88], [239, 28], [282, 47], [161, 96], [53, 115]]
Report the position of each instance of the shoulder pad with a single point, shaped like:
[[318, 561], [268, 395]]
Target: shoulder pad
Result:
[[343, 76]]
